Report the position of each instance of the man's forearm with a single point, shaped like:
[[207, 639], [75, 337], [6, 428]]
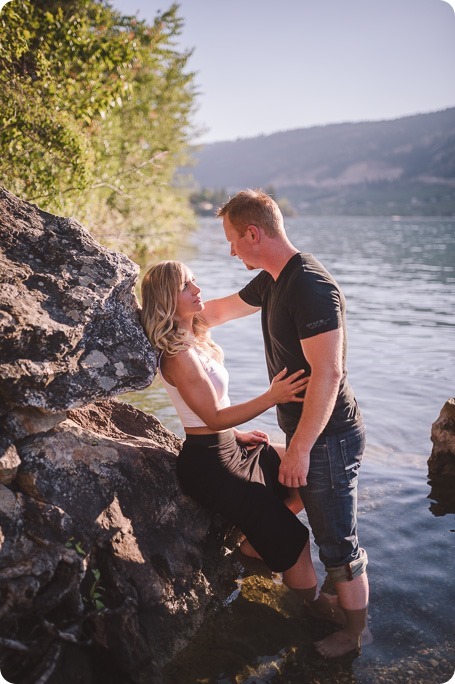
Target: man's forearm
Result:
[[223, 309], [320, 398], [323, 353]]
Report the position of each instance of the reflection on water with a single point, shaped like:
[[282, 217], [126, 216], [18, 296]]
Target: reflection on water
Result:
[[442, 495], [399, 281]]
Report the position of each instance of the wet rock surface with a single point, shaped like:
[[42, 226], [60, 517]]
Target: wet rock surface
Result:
[[442, 459], [441, 464]]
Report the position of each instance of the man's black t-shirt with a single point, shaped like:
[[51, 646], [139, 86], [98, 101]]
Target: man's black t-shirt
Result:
[[303, 302]]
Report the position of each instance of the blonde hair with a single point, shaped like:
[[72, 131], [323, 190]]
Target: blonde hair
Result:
[[253, 207], [159, 289]]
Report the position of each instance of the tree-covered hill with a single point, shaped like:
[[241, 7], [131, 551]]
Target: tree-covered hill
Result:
[[403, 166]]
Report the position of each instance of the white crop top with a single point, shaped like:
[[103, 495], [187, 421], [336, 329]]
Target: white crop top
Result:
[[218, 376]]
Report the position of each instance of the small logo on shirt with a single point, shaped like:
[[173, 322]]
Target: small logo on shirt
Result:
[[317, 324]]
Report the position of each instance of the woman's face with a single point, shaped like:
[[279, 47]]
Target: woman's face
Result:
[[189, 301]]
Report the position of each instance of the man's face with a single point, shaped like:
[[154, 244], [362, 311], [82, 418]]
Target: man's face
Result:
[[240, 244]]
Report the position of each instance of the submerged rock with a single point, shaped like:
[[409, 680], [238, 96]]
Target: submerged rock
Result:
[[106, 569]]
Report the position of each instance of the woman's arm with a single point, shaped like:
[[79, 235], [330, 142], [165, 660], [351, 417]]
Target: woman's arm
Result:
[[186, 372]]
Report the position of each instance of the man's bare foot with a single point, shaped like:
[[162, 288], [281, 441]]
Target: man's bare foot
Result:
[[247, 550], [326, 607], [339, 644]]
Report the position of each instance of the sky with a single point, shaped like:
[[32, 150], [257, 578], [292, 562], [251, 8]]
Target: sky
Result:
[[264, 66]]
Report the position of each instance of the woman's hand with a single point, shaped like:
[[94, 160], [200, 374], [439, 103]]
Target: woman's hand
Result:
[[285, 389], [251, 438]]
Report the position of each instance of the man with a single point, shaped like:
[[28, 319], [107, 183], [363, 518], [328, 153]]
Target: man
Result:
[[303, 324]]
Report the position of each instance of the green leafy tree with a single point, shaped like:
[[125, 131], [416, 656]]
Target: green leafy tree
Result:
[[61, 66], [95, 114], [143, 142]]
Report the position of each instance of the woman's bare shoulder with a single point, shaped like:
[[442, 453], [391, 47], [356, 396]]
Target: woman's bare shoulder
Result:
[[184, 360]]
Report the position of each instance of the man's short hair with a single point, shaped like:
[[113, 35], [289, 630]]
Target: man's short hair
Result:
[[253, 207]]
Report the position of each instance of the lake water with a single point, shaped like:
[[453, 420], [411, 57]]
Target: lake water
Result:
[[398, 276]]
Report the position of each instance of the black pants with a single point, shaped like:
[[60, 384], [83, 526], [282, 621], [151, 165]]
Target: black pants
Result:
[[243, 487]]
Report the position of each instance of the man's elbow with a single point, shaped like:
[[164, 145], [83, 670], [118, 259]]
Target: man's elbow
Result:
[[330, 374]]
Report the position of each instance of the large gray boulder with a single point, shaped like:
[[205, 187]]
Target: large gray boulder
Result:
[[69, 318], [106, 569]]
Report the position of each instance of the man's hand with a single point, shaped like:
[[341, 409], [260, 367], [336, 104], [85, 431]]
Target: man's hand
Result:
[[294, 468]]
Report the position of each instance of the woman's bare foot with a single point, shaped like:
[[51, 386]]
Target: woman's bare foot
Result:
[[349, 639], [339, 644], [247, 550]]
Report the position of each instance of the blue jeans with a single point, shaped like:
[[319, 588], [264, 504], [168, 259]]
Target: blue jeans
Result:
[[330, 499]]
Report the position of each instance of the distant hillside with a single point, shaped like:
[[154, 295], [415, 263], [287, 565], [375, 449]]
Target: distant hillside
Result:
[[405, 166]]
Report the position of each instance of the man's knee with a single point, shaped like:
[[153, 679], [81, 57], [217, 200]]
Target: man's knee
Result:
[[349, 571]]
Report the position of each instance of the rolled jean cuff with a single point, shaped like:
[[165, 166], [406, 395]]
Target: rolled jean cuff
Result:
[[349, 571]]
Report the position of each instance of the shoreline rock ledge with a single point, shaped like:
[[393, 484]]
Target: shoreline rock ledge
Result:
[[106, 569], [441, 464]]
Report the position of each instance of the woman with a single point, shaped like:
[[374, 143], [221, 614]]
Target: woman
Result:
[[217, 466]]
